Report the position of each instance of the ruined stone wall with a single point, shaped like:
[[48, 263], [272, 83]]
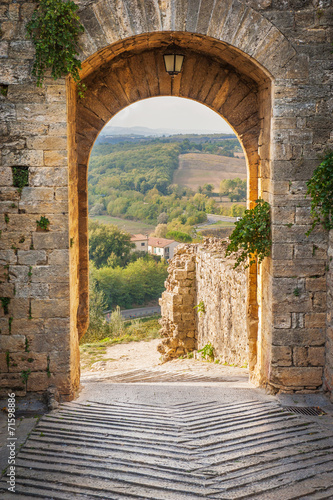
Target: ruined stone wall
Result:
[[201, 274], [179, 321], [223, 291]]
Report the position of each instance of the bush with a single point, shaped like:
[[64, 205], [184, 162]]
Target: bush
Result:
[[252, 235], [179, 236]]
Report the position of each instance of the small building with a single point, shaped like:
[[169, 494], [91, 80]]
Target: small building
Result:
[[161, 246], [141, 242]]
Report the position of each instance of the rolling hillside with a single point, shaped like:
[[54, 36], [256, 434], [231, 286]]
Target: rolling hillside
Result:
[[196, 169]]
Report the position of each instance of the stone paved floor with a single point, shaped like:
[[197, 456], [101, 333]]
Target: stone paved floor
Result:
[[177, 440]]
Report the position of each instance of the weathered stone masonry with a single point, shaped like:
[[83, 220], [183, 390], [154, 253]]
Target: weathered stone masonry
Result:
[[265, 66], [200, 272]]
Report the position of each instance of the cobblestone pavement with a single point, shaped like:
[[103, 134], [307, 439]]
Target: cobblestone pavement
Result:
[[174, 441]]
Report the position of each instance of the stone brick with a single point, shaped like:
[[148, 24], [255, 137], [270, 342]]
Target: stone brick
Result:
[[58, 291], [300, 356], [13, 343], [12, 382], [27, 361], [48, 177], [19, 308], [31, 257], [32, 290], [315, 320], [316, 356], [56, 308], [50, 241], [6, 176], [4, 326], [30, 327], [296, 376], [281, 356]]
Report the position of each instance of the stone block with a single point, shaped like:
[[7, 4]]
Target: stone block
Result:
[[48, 177], [29, 158], [31, 257], [56, 308], [28, 327], [55, 158], [299, 336], [296, 376], [282, 320], [13, 343], [39, 381], [315, 320], [47, 143], [12, 382], [18, 274], [19, 308], [180, 274], [300, 356], [316, 356], [59, 291], [32, 290], [7, 290], [316, 283], [50, 274], [24, 361], [6, 176], [4, 326], [32, 194], [301, 269], [281, 356], [50, 240], [8, 257]]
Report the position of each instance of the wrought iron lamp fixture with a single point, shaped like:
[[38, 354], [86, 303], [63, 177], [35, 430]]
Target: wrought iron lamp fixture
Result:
[[173, 61]]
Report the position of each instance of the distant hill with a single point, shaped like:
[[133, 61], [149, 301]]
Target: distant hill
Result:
[[158, 132], [197, 169]]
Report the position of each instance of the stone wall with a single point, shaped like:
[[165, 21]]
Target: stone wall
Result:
[[223, 291], [274, 61], [201, 274], [329, 334]]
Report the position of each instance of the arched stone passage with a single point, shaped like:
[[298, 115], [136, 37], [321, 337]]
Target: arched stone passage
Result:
[[258, 40], [209, 77]]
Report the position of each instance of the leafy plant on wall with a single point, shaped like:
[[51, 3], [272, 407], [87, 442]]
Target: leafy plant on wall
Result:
[[252, 235], [320, 188], [55, 29]]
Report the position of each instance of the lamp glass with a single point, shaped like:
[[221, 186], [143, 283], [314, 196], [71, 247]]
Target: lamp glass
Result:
[[178, 62], [169, 61]]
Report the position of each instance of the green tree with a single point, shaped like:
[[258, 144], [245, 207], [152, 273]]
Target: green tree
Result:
[[107, 241]]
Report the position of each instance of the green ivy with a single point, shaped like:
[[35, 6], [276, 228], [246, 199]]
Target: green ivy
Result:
[[20, 177], [252, 235], [55, 29], [43, 223], [320, 188]]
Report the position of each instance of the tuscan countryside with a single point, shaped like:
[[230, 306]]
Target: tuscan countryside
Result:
[[166, 249]]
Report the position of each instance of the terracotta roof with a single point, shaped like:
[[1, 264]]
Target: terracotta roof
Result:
[[138, 237], [159, 242]]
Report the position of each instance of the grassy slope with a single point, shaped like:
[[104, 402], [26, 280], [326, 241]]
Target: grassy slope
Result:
[[130, 226], [196, 169]]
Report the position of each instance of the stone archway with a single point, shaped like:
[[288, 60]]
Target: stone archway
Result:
[[239, 91], [265, 44]]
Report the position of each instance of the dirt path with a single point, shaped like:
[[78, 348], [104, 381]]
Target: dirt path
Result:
[[143, 356]]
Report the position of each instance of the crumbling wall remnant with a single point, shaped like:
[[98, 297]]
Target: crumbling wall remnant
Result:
[[201, 274]]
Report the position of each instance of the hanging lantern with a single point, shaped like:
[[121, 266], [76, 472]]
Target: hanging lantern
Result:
[[173, 61]]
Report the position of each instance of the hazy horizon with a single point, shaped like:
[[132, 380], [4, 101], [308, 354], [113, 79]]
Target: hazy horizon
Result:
[[175, 113]]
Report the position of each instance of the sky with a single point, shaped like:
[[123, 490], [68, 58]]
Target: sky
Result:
[[171, 113]]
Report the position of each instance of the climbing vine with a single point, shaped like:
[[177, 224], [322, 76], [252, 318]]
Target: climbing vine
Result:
[[252, 235], [55, 29], [320, 188]]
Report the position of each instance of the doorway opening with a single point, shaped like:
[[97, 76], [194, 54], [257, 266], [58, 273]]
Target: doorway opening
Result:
[[163, 171], [213, 74]]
